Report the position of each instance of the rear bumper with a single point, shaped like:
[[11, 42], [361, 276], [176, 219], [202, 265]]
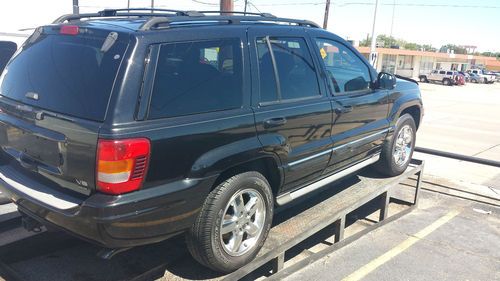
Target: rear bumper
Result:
[[137, 218]]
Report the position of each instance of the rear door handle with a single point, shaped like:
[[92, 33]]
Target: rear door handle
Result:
[[343, 109], [274, 122]]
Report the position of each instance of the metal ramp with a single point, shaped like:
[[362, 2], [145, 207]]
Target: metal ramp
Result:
[[333, 210]]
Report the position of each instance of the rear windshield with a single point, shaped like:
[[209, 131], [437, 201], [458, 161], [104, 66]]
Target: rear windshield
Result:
[[64, 73]]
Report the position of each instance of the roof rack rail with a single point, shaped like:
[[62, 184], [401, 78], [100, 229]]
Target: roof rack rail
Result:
[[113, 12], [136, 12], [156, 21], [168, 16], [267, 15]]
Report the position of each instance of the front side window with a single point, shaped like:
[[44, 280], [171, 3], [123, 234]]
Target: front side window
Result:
[[197, 77], [347, 73], [294, 69], [442, 72]]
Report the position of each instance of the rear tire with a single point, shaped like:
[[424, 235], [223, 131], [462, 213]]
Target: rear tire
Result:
[[231, 204], [446, 82], [423, 79], [398, 150]]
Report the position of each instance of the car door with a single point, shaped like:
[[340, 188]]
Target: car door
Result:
[[433, 75], [360, 111], [292, 112]]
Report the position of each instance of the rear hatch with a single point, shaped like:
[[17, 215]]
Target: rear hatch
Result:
[[54, 95]]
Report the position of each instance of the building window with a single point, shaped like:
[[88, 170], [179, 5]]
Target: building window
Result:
[[426, 64], [389, 63], [405, 62]]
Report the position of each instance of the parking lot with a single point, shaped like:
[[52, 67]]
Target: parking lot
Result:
[[453, 235]]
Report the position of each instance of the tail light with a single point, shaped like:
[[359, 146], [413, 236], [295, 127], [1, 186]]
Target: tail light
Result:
[[122, 164], [69, 30]]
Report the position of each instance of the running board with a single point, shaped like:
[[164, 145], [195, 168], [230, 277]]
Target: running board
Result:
[[290, 196]]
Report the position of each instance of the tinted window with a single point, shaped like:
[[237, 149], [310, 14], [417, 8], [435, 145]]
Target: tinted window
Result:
[[7, 49], [196, 77], [295, 69], [70, 74], [442, 72], [346, 71], [449, 73]]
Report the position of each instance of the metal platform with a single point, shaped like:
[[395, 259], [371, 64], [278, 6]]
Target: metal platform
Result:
[[333, 210]]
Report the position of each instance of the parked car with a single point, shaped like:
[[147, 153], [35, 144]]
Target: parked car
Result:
[[132, 129], [447, 77], [474, 78], [466, 75], [496, 75], [459, 79], [486, 78]]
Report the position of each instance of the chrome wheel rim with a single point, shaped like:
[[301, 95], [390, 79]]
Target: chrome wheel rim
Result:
[[403, 145], [242, 222]]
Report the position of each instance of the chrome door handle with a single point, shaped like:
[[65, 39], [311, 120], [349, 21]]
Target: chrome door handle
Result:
[[274, 122]]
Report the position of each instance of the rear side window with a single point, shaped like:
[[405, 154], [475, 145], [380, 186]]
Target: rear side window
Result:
[[72, 75], [442, 72], [197, 77], [294, 69]]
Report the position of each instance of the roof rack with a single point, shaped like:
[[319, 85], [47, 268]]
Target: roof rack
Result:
[[169, 21], [267, 15], [167, 17]]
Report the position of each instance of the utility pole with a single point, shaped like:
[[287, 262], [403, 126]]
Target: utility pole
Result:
[[327, 11], [392, 21], [152, 4], [246, 3], [76, 7], [373, 48], [226, 6]]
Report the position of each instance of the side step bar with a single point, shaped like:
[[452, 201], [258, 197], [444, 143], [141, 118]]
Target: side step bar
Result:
[[290, 196]]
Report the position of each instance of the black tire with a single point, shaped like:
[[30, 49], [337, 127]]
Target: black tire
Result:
[[447, 82], [204, 240], [485, 81], [423, 79], [386, 164]]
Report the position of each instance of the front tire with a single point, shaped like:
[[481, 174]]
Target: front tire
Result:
[[397, 152], [233, 223]]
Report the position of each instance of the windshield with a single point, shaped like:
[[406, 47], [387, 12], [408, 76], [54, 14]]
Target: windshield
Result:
[[65, 74]]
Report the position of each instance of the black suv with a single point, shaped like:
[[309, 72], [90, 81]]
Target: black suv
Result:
[[127, 127]]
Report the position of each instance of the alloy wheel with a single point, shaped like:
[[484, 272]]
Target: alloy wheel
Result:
[[242, 222], [403, 145]]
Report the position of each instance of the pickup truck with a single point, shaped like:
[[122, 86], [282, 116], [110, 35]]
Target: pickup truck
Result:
[[486, 78]]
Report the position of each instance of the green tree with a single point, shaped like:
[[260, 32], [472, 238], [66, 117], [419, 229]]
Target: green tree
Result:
[[456, 49]]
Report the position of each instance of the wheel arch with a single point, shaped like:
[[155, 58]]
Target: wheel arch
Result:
[[266, 165], [415, 112]]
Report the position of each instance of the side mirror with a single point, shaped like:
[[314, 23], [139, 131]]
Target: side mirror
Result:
[[386, 81]]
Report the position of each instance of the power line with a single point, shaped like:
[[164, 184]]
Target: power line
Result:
[[384, 4]]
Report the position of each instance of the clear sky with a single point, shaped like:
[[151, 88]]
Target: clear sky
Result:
[[462, 22]]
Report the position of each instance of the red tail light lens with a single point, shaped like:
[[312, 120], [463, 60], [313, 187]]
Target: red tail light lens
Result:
[[122, 164], [69, 30]]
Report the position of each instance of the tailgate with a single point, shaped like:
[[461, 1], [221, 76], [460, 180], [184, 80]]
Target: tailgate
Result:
[[59, 148], [54, 95]]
